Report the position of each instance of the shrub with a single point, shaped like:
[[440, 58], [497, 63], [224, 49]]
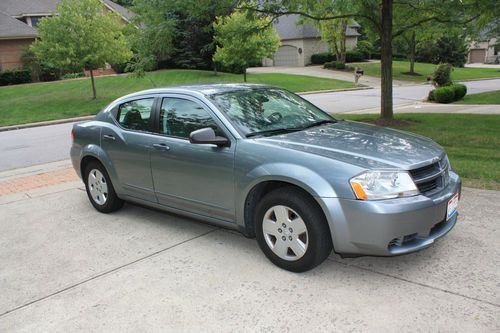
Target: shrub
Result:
[[446, 49], [442, 75], [448, 94], [335, 64], [354, 56], [330, 64], [49, 73], [15, 76], [431, 96], [339, 65], [365, 48], [321, 58], [444, 94], [460, 91], [120, 68]]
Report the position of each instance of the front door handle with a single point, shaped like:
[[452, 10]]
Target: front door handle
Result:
[[108, 137], [161, 146]]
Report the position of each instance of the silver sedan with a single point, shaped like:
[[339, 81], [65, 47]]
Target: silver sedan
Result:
[[266, 162]]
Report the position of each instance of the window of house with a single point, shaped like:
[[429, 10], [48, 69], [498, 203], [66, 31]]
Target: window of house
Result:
[[35, 20], [179, 117], [135, 115]]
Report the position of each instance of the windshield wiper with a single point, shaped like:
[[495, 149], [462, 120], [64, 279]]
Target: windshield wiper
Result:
[[273, 131], [319, 123]]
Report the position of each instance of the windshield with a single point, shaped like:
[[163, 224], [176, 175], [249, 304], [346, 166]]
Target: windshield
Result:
[[268, 110]]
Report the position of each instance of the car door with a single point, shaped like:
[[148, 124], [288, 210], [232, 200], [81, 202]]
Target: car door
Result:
[[198, 178], [128, 145]]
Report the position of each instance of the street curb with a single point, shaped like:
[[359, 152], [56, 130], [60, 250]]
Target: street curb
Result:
[[71, 120], [485, 79], [44, 123], [332, 90]]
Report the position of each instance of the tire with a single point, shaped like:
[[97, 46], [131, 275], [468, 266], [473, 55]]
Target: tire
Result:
[[296, 250], [100, 190]]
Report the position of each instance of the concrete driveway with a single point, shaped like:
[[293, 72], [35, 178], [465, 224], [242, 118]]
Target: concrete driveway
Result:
[[72, 269]]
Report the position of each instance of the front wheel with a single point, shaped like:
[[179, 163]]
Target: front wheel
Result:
[[100, 190], [291, 230]]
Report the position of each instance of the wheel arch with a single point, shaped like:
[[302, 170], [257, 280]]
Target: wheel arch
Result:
[[265, 186], [96, 153]]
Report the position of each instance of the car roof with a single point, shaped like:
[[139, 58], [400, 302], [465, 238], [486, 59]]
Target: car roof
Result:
[[203, 88]]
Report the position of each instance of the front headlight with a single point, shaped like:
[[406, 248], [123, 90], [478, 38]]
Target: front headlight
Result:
[[383, 184]]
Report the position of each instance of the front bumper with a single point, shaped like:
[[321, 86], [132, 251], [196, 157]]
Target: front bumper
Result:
[[390, 227]]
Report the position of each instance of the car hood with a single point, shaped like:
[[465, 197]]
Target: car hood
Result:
[[362, 144]]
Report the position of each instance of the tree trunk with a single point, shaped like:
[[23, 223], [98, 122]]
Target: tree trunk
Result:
[[245, 74], [343, 38], [386, 111], [94, 95], [412, 50]]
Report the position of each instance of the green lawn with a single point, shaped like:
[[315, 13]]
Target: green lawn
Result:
[[400, 67], [65, 99], [491, 97], [471, 141]]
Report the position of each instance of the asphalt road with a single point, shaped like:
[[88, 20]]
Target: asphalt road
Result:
[[347, 101], [72, 269], [26, 147], [36, 145]]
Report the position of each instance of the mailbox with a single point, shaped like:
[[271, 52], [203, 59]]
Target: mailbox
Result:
[[360, 71]]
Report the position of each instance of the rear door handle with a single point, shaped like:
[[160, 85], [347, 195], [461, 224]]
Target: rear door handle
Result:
[[161, 146], [108, 137]]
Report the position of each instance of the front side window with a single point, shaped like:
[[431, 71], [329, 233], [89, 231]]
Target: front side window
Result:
[[135, 115], [268, 109], [179, 117]]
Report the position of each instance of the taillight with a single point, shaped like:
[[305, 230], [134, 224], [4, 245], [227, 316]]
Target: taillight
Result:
[[72, 135]]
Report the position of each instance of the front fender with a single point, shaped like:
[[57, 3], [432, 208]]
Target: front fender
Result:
[[297, 175]]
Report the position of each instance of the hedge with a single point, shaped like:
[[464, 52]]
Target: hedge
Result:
[[350, 56], [322, 58], [15, 76], [354, 56], [448, 94], [335, 64]]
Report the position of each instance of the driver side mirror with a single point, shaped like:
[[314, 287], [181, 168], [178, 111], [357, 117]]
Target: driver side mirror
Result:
[[207, 136]]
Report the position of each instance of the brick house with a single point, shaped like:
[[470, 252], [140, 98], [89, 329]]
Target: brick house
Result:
[[18, 21]]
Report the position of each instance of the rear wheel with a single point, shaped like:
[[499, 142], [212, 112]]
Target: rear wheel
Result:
[[100, 190], [291, 230]]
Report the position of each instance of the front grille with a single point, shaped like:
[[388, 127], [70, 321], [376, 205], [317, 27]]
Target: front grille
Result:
[[431, 178]]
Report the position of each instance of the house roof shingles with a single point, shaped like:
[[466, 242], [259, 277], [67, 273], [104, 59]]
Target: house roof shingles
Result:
[[13, 28]]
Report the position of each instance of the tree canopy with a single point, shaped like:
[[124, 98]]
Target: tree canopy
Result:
[[244, 40], [378, 16], [83, 35]]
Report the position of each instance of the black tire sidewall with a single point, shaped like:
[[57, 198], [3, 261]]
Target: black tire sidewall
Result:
[[113, 202], [319, 237]]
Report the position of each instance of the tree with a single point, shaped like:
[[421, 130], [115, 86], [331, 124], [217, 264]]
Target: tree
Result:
[[244, 40], [378, 16], [83, 35], [174, 33]]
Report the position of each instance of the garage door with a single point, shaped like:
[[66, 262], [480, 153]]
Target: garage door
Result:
[[286, 56], [478, 55]]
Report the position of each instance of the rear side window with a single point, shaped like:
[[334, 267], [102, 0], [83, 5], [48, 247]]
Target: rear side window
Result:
[[179, 117], [135, 115]]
